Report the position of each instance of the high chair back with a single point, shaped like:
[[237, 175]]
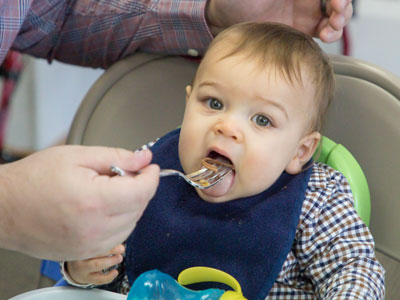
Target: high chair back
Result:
[[142, 97]]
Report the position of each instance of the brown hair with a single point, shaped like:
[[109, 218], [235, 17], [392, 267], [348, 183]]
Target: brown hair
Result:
[[286, 49]]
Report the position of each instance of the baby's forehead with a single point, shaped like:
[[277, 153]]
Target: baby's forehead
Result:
[[295, 73], [267, 74], [276, 56]]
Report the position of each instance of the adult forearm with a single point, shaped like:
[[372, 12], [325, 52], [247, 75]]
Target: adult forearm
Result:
[[97, 34]]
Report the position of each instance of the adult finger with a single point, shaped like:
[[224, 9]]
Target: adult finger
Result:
[[326, 33], [123, 194], [329, 35], [339, 6], [100, 159], [339, 12], [339, 19]]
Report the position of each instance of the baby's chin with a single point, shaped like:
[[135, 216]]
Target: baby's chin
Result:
[[232, 195], [236, 191], [213, 199]]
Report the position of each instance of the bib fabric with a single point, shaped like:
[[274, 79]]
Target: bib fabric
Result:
[[248, 238]]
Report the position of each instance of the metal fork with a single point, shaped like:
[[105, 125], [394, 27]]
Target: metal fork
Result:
[[202, 179]]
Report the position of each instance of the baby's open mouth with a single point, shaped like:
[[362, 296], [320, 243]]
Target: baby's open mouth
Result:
[[222, 187], [221, 158]]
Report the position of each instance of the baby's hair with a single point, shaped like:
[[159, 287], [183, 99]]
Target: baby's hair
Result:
[[288, 51]]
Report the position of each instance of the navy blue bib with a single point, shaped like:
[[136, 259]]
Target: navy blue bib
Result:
[[248, 238]]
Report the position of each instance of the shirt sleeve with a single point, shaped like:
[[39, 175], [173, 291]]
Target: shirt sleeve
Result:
[[97, 33], [336, 250]]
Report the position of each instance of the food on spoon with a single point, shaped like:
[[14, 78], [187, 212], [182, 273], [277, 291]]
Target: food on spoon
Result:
[[204, 182], [213, 164]]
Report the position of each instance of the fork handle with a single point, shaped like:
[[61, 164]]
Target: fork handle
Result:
[[163, 172], [168, 172]]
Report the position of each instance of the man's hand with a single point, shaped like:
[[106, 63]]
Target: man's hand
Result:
[[304, 15], [63, 203]]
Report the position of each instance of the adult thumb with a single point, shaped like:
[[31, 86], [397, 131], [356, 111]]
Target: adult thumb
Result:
[[101, 159]]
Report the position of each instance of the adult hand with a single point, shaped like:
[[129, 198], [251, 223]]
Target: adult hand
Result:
[[63, 203], [304, 15]]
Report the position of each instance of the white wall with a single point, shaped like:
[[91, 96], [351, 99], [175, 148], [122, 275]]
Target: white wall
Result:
[[44, 104]]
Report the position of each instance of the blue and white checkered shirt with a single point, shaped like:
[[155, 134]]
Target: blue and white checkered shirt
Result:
[[333, 255]]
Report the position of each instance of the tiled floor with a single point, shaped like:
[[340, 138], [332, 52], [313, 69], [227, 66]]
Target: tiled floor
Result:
[[19, 274]]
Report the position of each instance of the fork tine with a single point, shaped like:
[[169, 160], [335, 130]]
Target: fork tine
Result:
[[197, 173], [212, 179], [208, 178], [211, 176], [218, 176], [201, 175]]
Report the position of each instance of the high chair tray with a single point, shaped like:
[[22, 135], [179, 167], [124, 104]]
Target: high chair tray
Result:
[[68, 293]]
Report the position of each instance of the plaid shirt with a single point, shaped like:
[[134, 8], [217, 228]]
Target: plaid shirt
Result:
[[97, 33], [332, 256]]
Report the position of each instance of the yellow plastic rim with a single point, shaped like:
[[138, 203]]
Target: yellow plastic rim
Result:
[[206, 274]]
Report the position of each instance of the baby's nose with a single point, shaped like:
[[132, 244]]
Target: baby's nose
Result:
[[229, 128]]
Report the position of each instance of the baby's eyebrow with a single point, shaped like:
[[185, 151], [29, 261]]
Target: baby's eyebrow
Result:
[[208, 83], [276, 104]]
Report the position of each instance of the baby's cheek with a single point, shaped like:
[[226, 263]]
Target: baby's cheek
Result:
[[253, 171], [261, 172], [255, 164]]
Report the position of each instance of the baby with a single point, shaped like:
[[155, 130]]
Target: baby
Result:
[[283, 226]]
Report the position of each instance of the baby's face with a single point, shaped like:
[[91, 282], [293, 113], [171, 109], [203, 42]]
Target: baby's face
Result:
[[253, 118]]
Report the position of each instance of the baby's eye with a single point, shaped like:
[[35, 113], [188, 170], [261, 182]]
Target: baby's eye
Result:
[[261, 120], [214, 104]]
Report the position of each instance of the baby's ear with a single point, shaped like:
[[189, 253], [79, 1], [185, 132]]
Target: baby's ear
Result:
[[305, 151], [188, 91]]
